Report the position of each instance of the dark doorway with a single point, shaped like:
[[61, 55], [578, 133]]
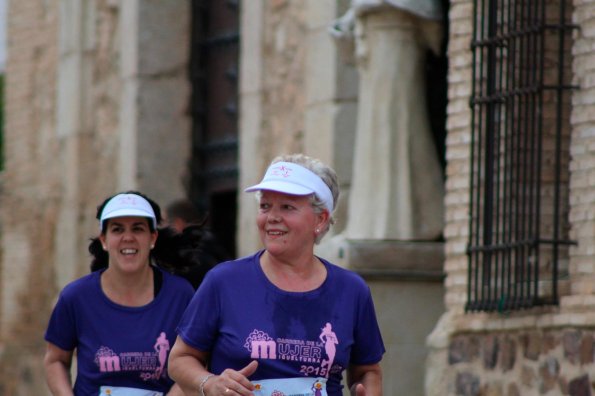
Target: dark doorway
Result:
[[214, 79]]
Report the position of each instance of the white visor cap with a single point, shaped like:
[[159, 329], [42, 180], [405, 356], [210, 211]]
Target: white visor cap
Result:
[[123, 205], [294, 179]]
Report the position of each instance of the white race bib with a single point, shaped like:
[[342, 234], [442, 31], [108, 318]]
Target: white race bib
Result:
[[123, 391], [306, 386]]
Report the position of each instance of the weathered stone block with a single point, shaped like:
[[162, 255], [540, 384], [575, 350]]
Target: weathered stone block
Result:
[[580, 386], [491, 389], [528, 376], [490, 349], [571, 341], [531, 344], [508, 354], [548, 374], [467, 384], [586, 349], [463, 349], [513, 390]]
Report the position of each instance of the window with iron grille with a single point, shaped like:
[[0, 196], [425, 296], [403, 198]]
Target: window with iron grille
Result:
[[520, 102]]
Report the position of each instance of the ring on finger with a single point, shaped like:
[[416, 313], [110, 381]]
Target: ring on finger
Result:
[[227, 390]]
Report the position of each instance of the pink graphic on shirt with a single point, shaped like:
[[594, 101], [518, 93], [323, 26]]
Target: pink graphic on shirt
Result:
[[107, 360], [261, 345], [277, 393], [309, 353], [161, 347], [330, 340], [148, 364]]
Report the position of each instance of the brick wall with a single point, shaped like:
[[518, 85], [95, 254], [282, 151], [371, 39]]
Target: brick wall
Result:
[[582, 149], [457, 153], [537, 351]]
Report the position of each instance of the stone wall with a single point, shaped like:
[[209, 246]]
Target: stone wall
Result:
[[546, 350], [272, 96], [457, 153], [83, 120], [284, 69], [528, 362], [30, 194], [582, 150]]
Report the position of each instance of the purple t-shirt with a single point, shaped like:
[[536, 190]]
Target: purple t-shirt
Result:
[[117, 345], [238, 316]]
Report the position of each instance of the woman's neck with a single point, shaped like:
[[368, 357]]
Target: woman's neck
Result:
[[130, 290], [302, 275]]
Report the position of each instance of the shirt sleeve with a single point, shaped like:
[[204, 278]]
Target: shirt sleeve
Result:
[[199, 324], [368, 346], [61, 330]]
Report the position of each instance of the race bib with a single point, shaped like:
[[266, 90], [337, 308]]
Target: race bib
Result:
[[123, 391], [307, 386]]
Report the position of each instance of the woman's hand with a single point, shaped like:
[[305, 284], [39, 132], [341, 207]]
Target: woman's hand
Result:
[[232, 382], [365, 380], [188, 368], [358, 390]]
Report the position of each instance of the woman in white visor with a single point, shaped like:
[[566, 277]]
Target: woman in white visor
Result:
[[120, 319], [282, 321]]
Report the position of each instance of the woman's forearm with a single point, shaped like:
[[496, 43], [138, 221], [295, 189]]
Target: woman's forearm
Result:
[[57, 363], [187, 367], [188, 374], [58, 379]]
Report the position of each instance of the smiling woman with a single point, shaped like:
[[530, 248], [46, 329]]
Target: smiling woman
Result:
[[282, 320], [128, 306]]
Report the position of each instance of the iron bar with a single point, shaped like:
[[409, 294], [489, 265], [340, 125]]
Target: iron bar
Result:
[[512, 160]]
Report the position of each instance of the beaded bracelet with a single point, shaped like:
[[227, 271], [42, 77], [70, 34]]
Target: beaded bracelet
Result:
[[203, 382]]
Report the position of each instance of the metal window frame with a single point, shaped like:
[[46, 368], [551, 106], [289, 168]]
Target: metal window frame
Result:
[[511, 225]]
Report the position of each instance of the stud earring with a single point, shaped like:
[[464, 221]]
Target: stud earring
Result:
[[317, 230], [152, 246]]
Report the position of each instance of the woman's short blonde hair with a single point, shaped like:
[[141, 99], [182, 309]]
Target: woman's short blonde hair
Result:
[[328, 176]]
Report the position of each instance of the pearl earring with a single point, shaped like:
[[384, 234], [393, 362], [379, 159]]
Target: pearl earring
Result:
[[317, 230]]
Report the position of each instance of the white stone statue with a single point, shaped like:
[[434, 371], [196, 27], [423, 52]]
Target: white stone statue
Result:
[[397, 189]]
